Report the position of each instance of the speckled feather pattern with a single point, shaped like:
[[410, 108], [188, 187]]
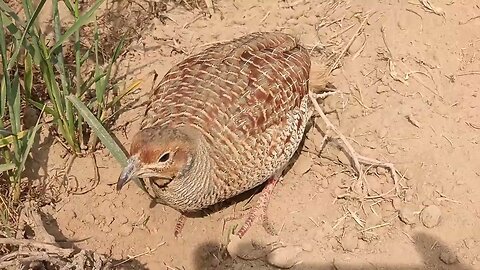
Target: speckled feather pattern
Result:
[[247, 100]]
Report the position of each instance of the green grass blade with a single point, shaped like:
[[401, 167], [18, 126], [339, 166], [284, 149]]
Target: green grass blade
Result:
[[103, 134], [82, 20], [125, 92], [101, 84], [7, 167], [6, 79], [4, 132], [31, 21], [69, 5], [11, 138], [28, 145], [13, 101], [28, 76], [99, 130], [6, 9]]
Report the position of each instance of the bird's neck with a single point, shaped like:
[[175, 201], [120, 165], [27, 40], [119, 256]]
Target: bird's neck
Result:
[[192, 191]]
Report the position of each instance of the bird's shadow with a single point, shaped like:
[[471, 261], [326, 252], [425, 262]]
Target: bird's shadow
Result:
[[211, 255]]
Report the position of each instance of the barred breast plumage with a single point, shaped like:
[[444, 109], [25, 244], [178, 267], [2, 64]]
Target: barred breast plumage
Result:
[[223, 121]]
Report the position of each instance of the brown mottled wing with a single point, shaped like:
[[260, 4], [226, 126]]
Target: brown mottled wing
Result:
[[239, 94]]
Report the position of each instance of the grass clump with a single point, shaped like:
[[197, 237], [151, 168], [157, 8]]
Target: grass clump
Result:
[[67, 66]]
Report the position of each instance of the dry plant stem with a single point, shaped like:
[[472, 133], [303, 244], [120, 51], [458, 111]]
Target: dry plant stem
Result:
[[149, 251], [357, 159], [49, 248], [330, 126], [350, 42]]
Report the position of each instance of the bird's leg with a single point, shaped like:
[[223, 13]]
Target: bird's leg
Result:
[[180, 224], [260, 210]]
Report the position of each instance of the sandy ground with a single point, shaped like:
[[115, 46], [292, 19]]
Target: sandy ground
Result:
[[408, 93]]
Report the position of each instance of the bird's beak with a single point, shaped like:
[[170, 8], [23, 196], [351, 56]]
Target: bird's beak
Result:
[[127, 173]]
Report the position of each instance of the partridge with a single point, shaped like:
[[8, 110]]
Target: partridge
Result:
[[222, 122]]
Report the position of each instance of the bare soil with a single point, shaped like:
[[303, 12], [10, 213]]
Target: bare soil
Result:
[[408, 93]]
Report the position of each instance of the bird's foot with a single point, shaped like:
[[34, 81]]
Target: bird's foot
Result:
[[180, 224], [260, 210]]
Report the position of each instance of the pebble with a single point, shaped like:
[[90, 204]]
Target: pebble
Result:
[[430, 216], [303, 164], [106, 229], [397, 203], [448, 257], [382, 89], [349, 241], [89, 218], [243, 249], [121, 219], [284, 257], [355, 46], [407, 215], [125, 230], [342, 157], [336, 72], [372, 220], [333, 243], [307, 246], [324, 183]]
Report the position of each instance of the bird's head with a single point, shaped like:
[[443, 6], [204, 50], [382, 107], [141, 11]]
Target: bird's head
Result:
[[160, 154]]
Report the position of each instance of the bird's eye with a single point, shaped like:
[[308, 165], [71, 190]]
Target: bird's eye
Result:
[[165, 157]]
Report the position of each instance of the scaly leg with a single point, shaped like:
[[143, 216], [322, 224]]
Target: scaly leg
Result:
[[260, 210], [180, 224]]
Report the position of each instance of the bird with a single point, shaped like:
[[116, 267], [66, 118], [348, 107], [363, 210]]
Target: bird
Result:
[[222, 122]]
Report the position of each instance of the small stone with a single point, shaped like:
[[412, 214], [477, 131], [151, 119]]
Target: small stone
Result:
[[284, 257], [244, 249], [106, 229], [324, 183], [448, 257], [99, 220], [372, 221], [342, 157], [427, 202], [407, 215], [382, 89], [397, 203], [469, 243], [430, 216], [121, 220], [307, 246], [382, 133], [89, 218], [125, 230], [355, 46], [333, 243], [349, 241], [303, 164], [336, 72]]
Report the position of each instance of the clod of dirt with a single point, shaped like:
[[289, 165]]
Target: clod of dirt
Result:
[[448, 257], [407, 215], [284, 257], [303, 164], [244, 249], [430, 216], [349, 241]]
